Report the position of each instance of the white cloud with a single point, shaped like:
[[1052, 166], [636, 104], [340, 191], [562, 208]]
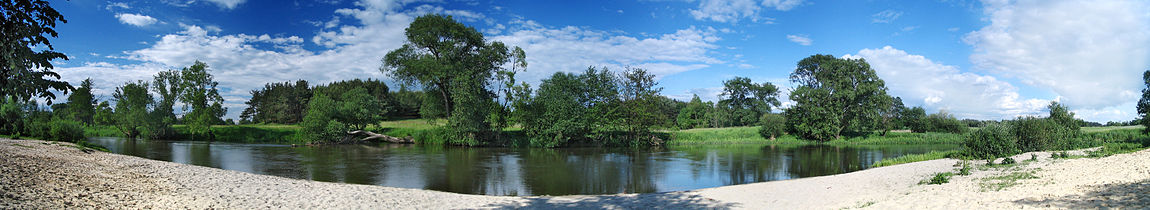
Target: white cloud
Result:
[[731, 11], [1091, 53], [136, 19], [115, 5], [573, 49], [803, 40], [227, 4], [886, 16], [921, 81]]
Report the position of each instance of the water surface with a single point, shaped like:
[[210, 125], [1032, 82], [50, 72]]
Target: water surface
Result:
[[512, 171]]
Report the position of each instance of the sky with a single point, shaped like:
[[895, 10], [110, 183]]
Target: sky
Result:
[[992, 59]]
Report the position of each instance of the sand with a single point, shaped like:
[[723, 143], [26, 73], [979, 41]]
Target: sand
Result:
[[38, 175]]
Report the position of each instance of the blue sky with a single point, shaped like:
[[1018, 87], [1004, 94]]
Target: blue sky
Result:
[[993, 59]]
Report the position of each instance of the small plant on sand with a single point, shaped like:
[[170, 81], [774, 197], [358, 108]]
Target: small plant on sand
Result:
[[965, 170], [1033, 157], [939, 178], [996, 183], [990, 162], [1063, 155], [1053, 155], [1008, 161]]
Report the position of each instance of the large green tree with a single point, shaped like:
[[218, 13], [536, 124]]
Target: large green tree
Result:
[[81, 103], [748, 100], [282, 103], [201, 98], [834, 95], [25, 26], [641, 103], [131, 115], [694, 114], [453, 61]]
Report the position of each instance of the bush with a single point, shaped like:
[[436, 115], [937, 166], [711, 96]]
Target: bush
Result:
[[965, 170], [994, 140], [939, 122], [1008, 160], [772, 125], [941, 178], [1038, 134], [66, 130]]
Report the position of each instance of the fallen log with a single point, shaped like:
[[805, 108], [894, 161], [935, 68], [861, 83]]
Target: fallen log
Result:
[[370, 136]]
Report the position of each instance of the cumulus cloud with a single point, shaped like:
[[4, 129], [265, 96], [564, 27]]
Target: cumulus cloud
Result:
[[803, 40], [573, 49], [921, 81], [732, 11], [136, 19], [886, 16], [227, 4], [1090, 53]]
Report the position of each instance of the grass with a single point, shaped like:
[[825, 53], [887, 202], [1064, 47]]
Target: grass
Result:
[[903, 138], [932, 155], [1111, 128], [750, 135], [939, 178], [997, 183]]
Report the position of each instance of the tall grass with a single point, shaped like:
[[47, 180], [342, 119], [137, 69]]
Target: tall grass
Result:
[[903, 138], [932, 155], [730, 135]]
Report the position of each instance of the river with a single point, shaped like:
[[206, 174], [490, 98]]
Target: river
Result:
[[521, 171]]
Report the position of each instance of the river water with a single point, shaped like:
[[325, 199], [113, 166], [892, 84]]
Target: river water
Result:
[[515, 171]]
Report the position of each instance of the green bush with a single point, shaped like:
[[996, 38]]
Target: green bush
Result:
[[772, 125], [1008, 161], [994, 140], [941, 178], [1038, 134], [66, 130], [965, 170], [942, 122]]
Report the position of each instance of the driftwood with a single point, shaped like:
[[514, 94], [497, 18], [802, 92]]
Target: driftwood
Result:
[[380, 137]]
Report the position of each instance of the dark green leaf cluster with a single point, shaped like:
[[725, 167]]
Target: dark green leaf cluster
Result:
[[594, 107], [772, 125], [942, 122], [1144, 103], [747, 100], [994, 140], [24, 72], [280, 103], [835, 96]]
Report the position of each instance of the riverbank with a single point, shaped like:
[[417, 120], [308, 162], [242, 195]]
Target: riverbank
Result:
[[40, 174]]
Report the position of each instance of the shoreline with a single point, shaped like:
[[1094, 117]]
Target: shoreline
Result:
[[41, 174]]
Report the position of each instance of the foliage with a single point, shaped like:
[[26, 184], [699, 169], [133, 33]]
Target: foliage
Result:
[[772, 125], [940, 178], [1008, 161], [902, 138], [932, 155], [81, 103], [104, 114], [938, 122], [748, 100], [891, 115], [915, 119], [131, 114], [1144, 103], [66, 130], [567, 106], [1038, 134], [281, 103], [24, 72], [640, 103], [199, 94], [694, 114], [834, 95], [455, 63], [318, 124], [992, 141]]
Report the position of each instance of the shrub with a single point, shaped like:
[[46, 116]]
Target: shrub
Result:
[[1008, 161], [772, 125], [938, 122], [941, 178], [1033, 157], [1037, 134], [994, 140], [965, 170], [66, 130]]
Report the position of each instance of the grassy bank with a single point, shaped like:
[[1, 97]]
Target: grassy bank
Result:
[[264, 134], [750, 135]]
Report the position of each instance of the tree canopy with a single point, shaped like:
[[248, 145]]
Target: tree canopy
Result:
[[25, 72], [834, 95]]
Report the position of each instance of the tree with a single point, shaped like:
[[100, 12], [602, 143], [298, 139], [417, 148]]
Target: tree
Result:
[[834, 95], [641, 103], [891, 115], [282, 103], [773, 125], [81, 103], [1144, 103], [1062, 115], [104, 114], [25, 72], [748, 100], [358, 109], [915, 119], [199, 94], [168, 86], [131, 112], [694, 114], [455, 62], [320, 124]]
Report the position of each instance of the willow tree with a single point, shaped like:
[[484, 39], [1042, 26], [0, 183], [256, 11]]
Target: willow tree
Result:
[[835, 95], [453, 61]]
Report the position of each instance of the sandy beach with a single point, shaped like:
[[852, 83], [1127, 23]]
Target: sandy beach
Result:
[[38, 174]]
